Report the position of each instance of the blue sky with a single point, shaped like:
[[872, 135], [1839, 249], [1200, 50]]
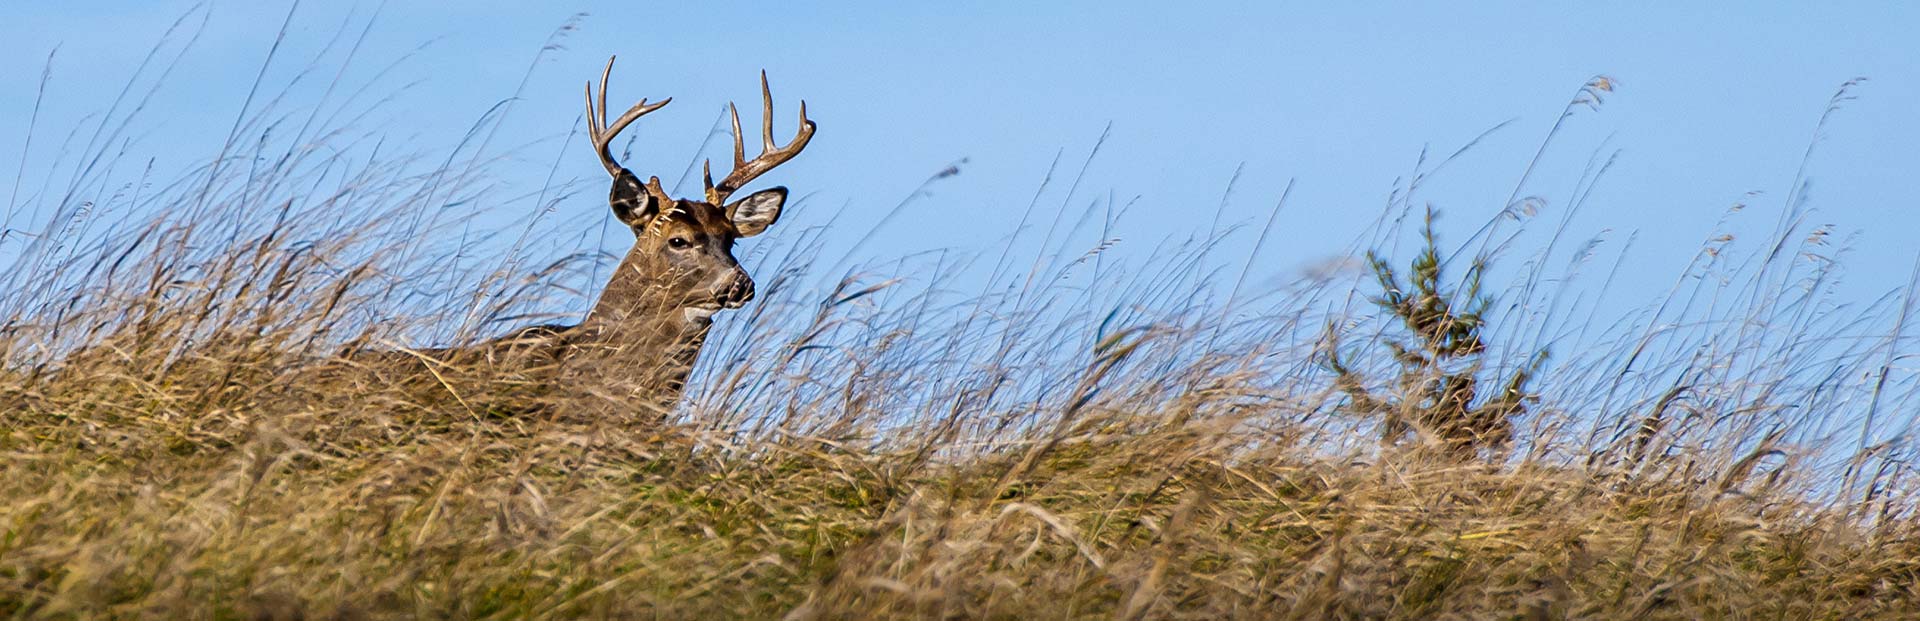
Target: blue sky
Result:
[[1712, 103]]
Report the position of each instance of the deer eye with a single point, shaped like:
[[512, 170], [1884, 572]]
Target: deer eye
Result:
[[679, 243]]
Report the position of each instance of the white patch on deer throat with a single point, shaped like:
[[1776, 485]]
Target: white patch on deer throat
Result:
[[700, 313]]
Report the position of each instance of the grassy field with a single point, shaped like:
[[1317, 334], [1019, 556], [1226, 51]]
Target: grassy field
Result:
[[1080, 438]]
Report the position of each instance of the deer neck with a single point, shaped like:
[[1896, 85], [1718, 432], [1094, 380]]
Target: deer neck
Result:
[[638, 325]]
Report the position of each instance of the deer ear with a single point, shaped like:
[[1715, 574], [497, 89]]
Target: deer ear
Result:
[[631, 201], [757, 211]]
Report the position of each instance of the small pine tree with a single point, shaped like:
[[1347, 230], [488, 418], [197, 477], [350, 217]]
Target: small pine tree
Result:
[[1441, 357]]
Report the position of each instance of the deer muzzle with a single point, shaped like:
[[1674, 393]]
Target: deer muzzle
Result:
[[738, 292]]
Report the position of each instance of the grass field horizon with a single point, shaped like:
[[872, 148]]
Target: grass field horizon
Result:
[[1435, 425]]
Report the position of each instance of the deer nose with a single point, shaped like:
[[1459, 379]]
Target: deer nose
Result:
[[739, 292]]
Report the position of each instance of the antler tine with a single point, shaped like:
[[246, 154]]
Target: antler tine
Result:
[[605, 75], [739, 149], [766, 114], [603, 132], [770, 155]]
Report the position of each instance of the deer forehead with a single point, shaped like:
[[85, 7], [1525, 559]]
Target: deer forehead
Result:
[[695, 218]]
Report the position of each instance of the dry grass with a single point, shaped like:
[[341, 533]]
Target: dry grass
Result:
[[1086, 440], [185, 496]]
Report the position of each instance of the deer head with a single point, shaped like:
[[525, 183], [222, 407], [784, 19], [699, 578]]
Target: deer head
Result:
[[681, 266]]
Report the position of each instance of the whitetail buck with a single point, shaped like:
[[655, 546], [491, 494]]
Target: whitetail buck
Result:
[[652, 317]]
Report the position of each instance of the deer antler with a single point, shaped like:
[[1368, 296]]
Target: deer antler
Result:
[[770, 156], [603, 133]]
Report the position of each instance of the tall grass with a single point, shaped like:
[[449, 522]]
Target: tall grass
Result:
[[1077, 434]]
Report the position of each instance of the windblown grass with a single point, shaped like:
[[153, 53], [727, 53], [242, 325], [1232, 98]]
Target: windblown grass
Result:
[[1087, 437]]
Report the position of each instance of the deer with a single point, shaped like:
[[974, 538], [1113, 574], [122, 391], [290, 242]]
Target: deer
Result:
[[653, 315]]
